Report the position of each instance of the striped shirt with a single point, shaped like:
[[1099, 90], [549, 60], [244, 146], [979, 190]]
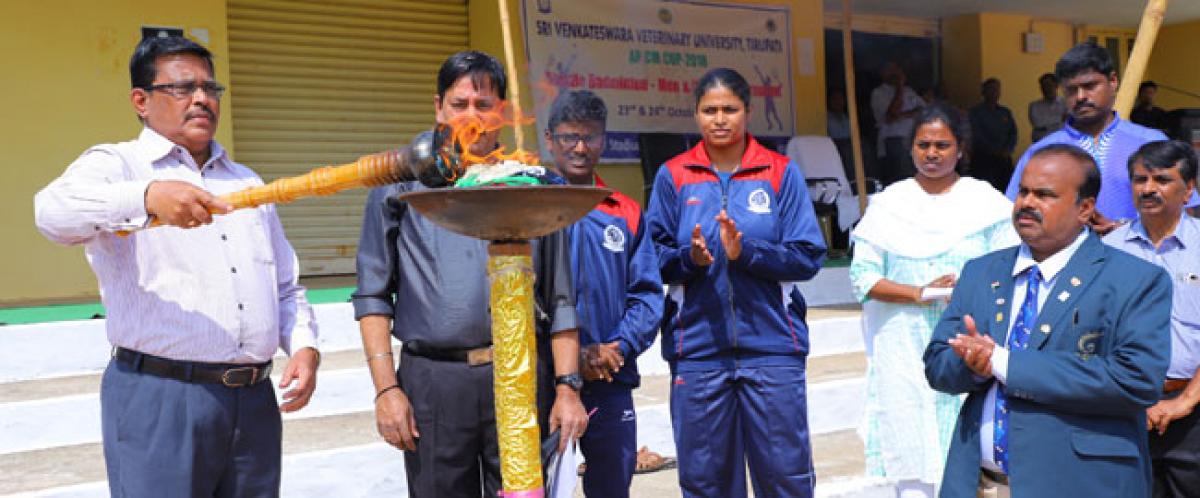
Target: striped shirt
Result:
[[221, 293]]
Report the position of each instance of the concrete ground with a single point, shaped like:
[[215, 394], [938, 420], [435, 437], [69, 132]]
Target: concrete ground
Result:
[[49, 441]]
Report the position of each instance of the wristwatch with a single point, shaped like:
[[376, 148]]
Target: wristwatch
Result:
[[574, 381]]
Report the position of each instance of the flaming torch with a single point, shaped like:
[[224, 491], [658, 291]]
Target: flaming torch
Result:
[[508, 216], [430, 158]]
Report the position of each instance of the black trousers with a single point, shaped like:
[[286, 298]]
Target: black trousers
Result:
[[994, 169], [457, 454], [1176, 459]]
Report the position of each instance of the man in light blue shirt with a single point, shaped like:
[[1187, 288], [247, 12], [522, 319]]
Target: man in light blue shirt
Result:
[[1163, 175], [1089, 83], [197, 311]]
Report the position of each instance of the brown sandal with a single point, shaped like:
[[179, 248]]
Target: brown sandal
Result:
[[649, 461]]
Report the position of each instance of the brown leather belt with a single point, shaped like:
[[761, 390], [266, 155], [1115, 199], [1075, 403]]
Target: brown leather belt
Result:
[[1172, 385], [471, 356], [193, 371]]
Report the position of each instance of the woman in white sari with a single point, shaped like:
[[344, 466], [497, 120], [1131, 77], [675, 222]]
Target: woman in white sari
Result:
[[908, 249]]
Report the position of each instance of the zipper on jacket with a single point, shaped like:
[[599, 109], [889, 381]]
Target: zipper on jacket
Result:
[[728, 283]]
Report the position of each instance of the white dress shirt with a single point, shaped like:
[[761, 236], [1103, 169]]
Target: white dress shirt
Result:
[[1049, 115], [221, 293], [881, 99], [1049, 269]]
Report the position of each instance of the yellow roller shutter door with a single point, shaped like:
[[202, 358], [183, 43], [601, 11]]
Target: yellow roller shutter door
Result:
[[324, 82]]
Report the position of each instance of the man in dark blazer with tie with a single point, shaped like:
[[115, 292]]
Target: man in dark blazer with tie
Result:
[[1061, 343]]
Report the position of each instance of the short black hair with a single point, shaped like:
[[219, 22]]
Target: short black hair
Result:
[[142, 68], [1050, 76], [728, 78], [983, 86], [1166, 154], [1090, 187], [1147, 84], [938, 111], [1082, 58], [483, 69], [577, 106]]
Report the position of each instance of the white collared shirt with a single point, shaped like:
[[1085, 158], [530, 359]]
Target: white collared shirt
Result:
[[223, 293], [1049, 115], [1049, 268], [881, 99]]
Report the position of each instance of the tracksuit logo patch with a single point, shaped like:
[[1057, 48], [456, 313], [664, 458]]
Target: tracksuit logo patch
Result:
[[759, 202], [614, 239]]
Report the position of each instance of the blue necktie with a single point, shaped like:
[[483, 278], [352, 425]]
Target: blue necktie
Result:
[[1018, 339]]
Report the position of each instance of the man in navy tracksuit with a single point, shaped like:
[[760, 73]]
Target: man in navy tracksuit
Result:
[[619, 296]]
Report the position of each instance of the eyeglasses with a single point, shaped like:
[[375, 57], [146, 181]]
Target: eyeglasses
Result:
[[185, 89], [568, 140]]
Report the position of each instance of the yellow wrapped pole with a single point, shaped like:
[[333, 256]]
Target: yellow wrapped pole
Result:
[[510, 271], [1152, 19]]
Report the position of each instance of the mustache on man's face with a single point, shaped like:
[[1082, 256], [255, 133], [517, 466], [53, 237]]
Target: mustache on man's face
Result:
[[1151, 196], [200, 110], [1028, 213]]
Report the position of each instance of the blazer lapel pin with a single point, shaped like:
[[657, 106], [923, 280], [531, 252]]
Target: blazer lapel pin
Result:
[[1064, 296], [1075, 282]]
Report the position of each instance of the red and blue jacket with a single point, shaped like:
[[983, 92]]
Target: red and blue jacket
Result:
[[618, 290], [746, 312]]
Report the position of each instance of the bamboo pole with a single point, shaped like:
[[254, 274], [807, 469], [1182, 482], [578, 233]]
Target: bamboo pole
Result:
[[1152, 19], [852, 106], [514, 85]]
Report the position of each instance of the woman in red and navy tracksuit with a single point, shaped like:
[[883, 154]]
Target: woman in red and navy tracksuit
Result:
[[735, 233]]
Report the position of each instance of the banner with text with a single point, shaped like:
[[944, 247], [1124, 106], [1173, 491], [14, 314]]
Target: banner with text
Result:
[[644, 57]]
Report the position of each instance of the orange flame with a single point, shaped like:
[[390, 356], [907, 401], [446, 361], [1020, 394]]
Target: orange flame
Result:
[[470, 128]]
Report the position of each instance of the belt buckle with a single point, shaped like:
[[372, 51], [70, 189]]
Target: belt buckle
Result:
[[479, 356], [226, 380]]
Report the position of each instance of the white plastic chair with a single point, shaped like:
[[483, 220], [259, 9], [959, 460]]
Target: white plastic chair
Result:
[[827, 184]]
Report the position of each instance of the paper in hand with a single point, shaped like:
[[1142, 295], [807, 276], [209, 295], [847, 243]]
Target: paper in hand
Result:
[[559, 468], [936, 293]]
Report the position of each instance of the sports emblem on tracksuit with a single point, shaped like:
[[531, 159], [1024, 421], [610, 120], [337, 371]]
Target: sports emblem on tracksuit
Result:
[[614, 239], [759, 202]]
